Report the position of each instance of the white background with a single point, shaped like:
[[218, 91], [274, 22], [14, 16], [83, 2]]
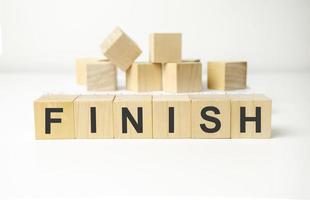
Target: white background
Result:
[[50, 34], [41, 40]]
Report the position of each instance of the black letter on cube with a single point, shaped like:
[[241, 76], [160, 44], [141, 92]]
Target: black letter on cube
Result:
[[216, 121], [127, 115], [93, 124], [256, 119], [49, 120], [171, 119]]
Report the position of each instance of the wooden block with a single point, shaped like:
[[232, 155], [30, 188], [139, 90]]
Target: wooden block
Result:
[[80, 69], [227, 75], [210, 116], [120, 49], [182, 77], [144, 77], [54, 117], [250, 116], [165, 47], [101, 76], [132, 116], [171, 116], [94, 116]]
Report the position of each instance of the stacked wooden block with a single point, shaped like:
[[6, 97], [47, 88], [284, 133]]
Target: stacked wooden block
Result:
[[101, 75], [146, 116], [165, 70]]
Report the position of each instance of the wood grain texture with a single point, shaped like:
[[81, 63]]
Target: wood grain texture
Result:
[[101, 76], [180, 117], [144, 77], [64, 129], [103, 105], [235, 75], [120, 49], [165, 47], [216, 75], [132, 102], [227, 75], [250, 103], [80, 69], [182, 77], [222, 103]]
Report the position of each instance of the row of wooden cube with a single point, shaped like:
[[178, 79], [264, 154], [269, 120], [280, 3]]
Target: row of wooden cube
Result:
[[170, 77], [185, 76], [146, 116]]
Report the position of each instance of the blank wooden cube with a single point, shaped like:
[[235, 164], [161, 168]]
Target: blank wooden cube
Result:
[[165, 47], [227, 75], [132, 116], [250, 116], [120, 49], [80, 69], [94, 116], [144, 77], [210, 116], [182, 77], [171, 116], [54, 117], [101, 76]]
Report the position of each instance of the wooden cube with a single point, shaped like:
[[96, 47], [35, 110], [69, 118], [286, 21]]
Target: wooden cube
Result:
[[250, 116], [101, 76], [120, 49], [210, 116], [171, 116], [132, 116], [165, 47], [94, 116], [144, 77], [80, 69], [182, 77], [227, 75], [54, 117]]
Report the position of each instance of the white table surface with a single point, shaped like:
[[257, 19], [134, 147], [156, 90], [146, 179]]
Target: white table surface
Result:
[[73, 169]]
